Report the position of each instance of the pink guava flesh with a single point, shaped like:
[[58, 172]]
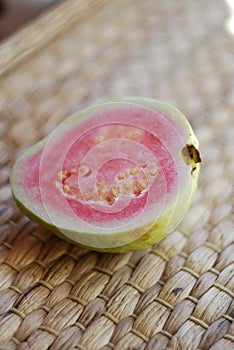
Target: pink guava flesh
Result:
[[126, 178]]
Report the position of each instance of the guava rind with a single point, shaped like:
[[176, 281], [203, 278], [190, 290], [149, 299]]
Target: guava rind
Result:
[[158, 229]]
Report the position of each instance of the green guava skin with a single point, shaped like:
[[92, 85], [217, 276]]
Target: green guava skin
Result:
[[158, 229]]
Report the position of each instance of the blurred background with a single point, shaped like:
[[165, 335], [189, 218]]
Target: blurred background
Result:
[[14, 13]]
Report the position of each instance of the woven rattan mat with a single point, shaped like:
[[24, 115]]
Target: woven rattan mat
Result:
[[177, 294]]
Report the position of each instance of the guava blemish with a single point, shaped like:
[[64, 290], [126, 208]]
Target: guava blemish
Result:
[[191, 155], [193, 171]]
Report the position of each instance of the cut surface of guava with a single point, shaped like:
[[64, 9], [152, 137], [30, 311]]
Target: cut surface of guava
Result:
[[114, 177]]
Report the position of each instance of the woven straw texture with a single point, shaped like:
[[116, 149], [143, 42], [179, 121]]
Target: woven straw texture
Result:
[[177, 294]]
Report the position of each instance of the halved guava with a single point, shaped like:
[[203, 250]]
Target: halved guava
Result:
[[115, 177]]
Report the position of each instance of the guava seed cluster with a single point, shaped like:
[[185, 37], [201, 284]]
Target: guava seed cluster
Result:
[[130, 182], [116, 178]]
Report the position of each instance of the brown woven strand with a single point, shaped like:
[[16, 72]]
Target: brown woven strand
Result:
[[45, 30], [177, 294]]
